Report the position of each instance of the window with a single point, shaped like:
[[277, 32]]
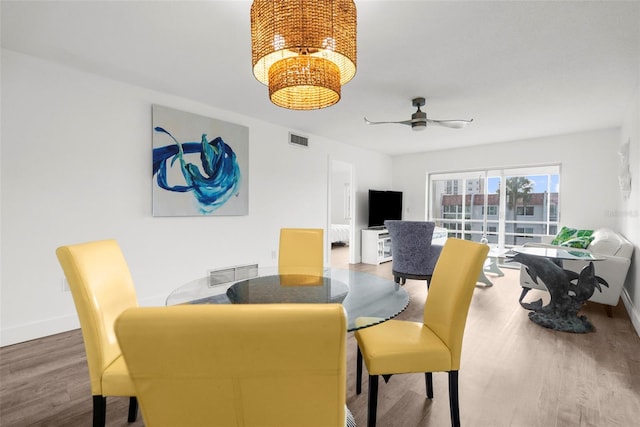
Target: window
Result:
[[524, 231], [452, 187], [524, 210], [491, 210], [508, 207], [452, 212]]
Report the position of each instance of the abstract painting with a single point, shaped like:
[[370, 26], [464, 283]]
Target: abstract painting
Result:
[[200, 165]]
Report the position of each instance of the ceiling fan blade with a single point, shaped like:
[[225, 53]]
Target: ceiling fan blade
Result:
[[456, 124], [404, 122]]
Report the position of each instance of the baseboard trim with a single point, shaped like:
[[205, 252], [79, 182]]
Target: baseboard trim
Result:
[[35, 330], [634, 315], [52, 326]]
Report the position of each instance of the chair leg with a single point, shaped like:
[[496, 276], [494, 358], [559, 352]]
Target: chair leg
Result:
[[373, 401], [358, 372], [99, 411], [428, 378], [400, 280], [133, 409], [453, 398]]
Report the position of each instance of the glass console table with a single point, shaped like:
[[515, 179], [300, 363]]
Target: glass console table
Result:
[[367, 299]]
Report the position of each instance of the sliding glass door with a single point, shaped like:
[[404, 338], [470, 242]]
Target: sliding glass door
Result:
[[504, 207]]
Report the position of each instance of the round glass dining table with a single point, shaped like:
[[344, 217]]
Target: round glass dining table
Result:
[[366, 298]]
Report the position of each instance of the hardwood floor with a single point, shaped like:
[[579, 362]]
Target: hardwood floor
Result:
[[514, 373]]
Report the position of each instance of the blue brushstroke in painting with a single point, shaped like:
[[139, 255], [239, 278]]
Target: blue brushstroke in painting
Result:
[[221, 178]]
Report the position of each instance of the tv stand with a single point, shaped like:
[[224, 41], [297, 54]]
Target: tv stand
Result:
[[376, 245]]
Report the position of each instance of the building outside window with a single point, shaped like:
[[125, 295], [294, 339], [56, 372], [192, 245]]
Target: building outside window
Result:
[[452, 186], [523, 209]]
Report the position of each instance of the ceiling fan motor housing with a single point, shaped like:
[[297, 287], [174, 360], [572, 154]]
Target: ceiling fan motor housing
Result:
[[419, 120]]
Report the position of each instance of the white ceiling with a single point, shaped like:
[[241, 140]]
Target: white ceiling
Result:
[[520, 69]]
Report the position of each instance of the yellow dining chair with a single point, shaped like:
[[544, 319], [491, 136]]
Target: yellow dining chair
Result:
[[301, 251], [261, 365], [434, 345], [102, 288]]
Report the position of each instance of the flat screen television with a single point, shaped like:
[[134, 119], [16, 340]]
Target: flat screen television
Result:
[[384, 205]]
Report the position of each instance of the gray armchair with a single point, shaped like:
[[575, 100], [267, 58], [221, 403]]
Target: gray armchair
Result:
[[414, 257]]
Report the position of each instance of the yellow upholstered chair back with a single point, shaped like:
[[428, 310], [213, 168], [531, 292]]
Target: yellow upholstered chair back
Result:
[[237, 365], [450, 292], [102, 288], [301, 251]]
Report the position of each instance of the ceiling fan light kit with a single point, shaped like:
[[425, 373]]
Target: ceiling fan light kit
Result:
[[303, 50], [419, 120]]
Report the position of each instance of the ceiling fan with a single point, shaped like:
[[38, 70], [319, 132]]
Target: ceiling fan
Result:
[[419, 119]]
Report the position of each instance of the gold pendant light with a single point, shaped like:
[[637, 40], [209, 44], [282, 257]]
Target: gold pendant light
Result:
[[303, 50]]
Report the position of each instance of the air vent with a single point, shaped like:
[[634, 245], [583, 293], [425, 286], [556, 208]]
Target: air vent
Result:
[[232, 274], [300, 141]]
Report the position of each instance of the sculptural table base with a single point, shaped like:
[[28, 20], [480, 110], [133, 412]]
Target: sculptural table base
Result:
[[546, 316], [568, 290], [571, 323]]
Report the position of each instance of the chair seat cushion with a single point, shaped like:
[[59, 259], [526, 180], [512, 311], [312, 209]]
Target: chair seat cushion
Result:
[[116, 380], [398, 346]]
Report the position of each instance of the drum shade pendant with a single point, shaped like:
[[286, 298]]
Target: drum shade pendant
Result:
[[303, 50]]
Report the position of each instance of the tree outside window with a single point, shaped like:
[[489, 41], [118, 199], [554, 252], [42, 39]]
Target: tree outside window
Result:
[[518, 189]]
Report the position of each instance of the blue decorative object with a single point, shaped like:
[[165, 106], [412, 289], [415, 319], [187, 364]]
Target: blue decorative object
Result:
[[218, 160], [198, 178]]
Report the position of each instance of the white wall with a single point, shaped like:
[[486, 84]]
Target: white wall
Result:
[[628, 211], [589, 190], [76, 166], [589, 166]]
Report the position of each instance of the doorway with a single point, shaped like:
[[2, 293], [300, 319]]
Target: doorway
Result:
[[341, 213]]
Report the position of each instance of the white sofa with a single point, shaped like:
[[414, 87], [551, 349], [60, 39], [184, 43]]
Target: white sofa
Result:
[[616, 252]]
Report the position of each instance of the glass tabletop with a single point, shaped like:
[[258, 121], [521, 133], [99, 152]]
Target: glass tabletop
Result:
[[367, 299], [556, 253]]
